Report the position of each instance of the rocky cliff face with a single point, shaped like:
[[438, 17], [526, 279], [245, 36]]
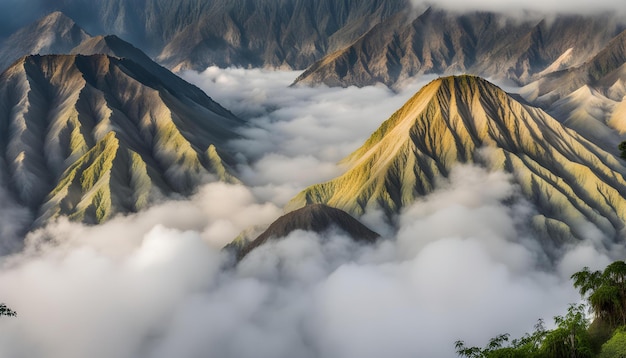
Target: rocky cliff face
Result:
[[466, 119]]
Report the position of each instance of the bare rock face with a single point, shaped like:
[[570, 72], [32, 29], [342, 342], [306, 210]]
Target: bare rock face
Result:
[[52, 34], [487, 44], [91, 136], [317, 218], [453, 120]]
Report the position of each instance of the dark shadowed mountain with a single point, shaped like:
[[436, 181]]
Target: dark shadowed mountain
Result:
[[91, 136], [572, 182], [52, 34], [487, 44], [316, 218]]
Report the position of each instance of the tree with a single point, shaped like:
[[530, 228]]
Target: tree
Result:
[[526, 346], [6, 311], [616, 346], [622, 148], [605, 291], [570, 338]]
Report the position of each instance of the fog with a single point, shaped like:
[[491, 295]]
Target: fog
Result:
[[297, 134], [519, 6], [155, 284]]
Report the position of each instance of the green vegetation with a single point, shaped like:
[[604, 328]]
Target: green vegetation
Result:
[[622, 149], [574, 336], [6, 311]]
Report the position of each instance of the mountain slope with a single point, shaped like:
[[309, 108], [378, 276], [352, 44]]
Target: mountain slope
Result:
[[316, 218], [588, 98], [91, 136], [453, 120], [271, 33], [54, 33], [488, 44], [112, 45]]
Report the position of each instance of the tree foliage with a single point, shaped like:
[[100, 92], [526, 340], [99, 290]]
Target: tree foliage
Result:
[[622, 148], [605, 293], [569, 339], [616, 346], [6, 311]]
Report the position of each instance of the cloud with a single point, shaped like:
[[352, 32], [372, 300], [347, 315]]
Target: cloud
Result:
[[14, 222], [155, 284], [308, 295], [555, 7], [297, 134]]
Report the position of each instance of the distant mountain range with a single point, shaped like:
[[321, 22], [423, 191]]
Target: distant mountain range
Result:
[[486, 44], [589, 98], [193, 34]]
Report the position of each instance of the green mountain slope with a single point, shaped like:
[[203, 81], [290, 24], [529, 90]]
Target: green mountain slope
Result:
[[466, 119], [91, 136]]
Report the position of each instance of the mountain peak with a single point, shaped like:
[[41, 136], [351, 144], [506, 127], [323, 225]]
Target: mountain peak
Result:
[[91, 136], [316, 218], [53, 33], [466, 119]]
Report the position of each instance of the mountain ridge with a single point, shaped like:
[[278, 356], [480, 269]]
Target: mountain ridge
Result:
[[482, 43], [73, 124], [453, 120]]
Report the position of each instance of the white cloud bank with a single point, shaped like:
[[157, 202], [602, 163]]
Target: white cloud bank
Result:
[[155, 285], [443, 278], [515, 6]]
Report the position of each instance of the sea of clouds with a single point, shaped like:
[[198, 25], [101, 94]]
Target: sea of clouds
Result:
[[156, 284]]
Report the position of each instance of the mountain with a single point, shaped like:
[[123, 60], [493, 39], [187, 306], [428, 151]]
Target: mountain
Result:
[[487, 44], [589, 98], [573, 183], [52, 34], [316, 218], [273, 33], [114, 46], [193, 34], [91, 136]]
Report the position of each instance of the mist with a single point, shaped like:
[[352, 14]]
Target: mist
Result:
[[165, 292], [297, 135], [521, 6], [156, 284]]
